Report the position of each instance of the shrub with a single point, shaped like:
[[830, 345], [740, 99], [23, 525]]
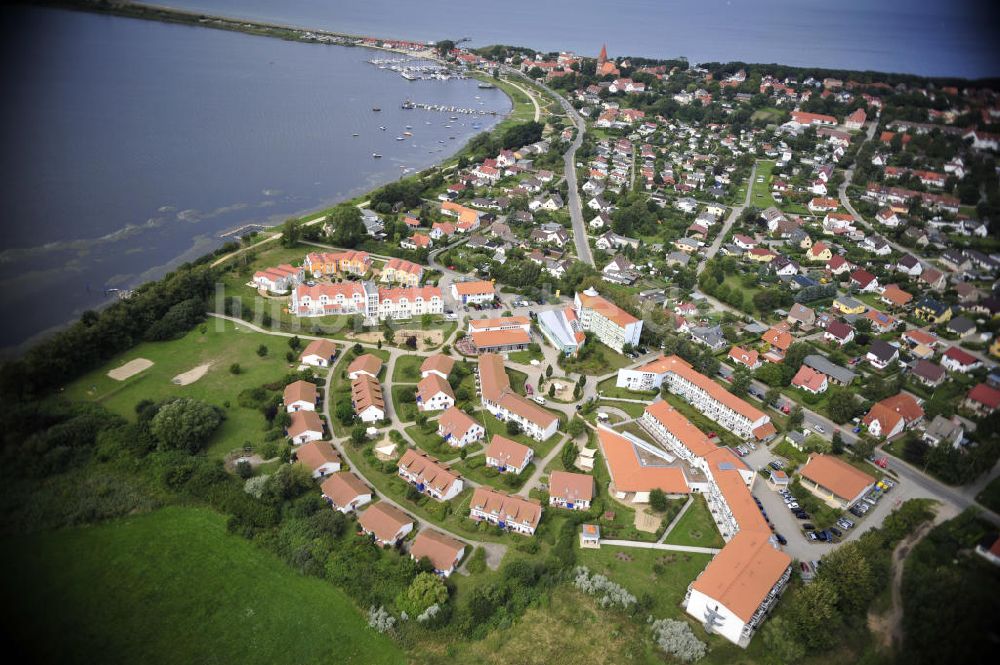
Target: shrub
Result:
[[380, 619], [676, 639], [235, 368], [608, 592]]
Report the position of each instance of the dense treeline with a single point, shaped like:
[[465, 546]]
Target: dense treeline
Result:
[[158, 310], [950, 596], [814, 617]]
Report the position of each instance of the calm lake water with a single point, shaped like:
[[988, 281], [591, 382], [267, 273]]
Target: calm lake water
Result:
[[129, 146], [927, 37]]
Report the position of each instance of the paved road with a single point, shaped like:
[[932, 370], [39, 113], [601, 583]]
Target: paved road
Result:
[[659, 546], [733, 216], [569, 165]]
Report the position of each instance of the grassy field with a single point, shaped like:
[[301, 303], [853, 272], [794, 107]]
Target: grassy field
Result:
[[762, 190], [407, 369], [173, 587], [559, 632], [607, 388], [600, 360], [222, 343], [696, 527], [665, 575]]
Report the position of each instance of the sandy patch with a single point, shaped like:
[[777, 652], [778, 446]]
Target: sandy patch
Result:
[[646, 521], [191, 375], [131, 368], [564, 389], [436, 337]]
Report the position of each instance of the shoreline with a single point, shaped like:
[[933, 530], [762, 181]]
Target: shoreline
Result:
[[261, 29]]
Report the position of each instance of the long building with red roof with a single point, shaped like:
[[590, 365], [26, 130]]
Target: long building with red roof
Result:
[[725, 408], [374, 303], [738, 587]]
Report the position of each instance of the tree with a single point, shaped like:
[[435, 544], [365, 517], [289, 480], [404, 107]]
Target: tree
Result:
[[552, 390], [388, 334], [795, 417], [575, 427], [444, 47], [837, 443], [184, 424], [548, 371], [813, 614], [841, 405], [358, 434], [290, 233], [235, 368], [849, 571], [294, 343], [568, 455], [244, 469], [658, 500], [741, 381], [262, 350], [347, 226], [345, 412], [771, 396], [513, 428], [781, 641]]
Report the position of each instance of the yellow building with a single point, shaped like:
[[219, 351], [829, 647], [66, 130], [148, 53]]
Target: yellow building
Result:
[[849, 305], [399, 271], [819, 252], [931, 310]]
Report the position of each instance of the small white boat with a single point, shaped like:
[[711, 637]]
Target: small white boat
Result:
[[400, 138], [353, 134], [375, 155], [382, 128]]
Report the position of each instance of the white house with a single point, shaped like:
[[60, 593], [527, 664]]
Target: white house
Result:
[[345, 492], [319, 457], [300, 396], [434, 394], [318, 353], [458, 428], [385, 523], [429, 476], [306, 426], [507, 456]]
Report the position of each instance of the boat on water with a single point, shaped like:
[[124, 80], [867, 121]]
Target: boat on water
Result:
[[407, 133], [409, 127], [382, 127], [375, 155], [354, 134], [485, 86], [400, 138], [454, 117], [376, 109]]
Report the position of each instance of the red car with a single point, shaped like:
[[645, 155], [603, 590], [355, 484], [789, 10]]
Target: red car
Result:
[[785, 409], [882, 462]]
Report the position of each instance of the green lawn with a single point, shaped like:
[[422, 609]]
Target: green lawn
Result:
[[407, 369], [406, 410], [696, 527], [525, 357], [662, 574], [761, 197], [222, 343], [475, 469], [594, 359], [340, 385], [173, 587], [607, 388], [701, 421]]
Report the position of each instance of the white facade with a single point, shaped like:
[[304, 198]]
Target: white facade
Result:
[[724, 621], [471, 435], [437, 402], [372, 414]]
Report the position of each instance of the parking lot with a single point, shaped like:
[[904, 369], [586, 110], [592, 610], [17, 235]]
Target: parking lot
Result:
[[789, 526]]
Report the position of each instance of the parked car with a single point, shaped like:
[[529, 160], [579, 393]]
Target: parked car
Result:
[[819, 428], [837, 532], [781, 539], [793, 505], [808, 527], [811, 535], [775, 466]]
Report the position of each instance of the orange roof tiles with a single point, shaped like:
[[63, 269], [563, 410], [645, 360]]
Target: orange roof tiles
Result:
[[439, 363], [305, 421], [431, 385], [365, 363], [300, 391], [427, 469], [571, 486], [442, 551], [606, 308], [494, 339], [366, 392], [743, 573], [629, 475], [690, 436], [474, 288], [507, 452], [384, 521], [836, 475], [507, 507], [343, 487], [317, 453]]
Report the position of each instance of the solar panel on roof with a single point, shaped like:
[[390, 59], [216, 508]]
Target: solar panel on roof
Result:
[[726, 466]]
